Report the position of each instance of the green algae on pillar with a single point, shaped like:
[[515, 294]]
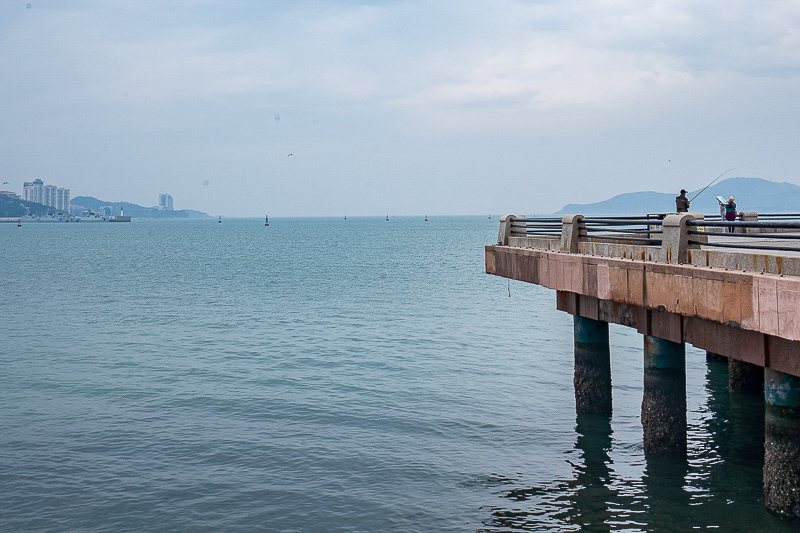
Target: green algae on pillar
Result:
[[664, 396], [782, 443], [592, 366]]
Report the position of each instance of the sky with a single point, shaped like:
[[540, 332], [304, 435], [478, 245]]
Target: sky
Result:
[[314, 108]]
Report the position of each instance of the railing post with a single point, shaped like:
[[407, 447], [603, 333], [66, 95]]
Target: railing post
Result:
[[747, 216], [571, 226], [505, 229], [675, 237]]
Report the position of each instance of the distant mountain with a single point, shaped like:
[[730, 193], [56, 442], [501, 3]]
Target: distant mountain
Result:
[[136, 211], [752, 194]]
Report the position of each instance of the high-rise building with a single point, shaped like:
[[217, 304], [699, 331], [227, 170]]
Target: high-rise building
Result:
[[165, 202], [62, 200], [49, 196], [33, 191]]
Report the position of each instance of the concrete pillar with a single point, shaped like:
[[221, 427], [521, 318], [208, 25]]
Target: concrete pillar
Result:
[[592, 366], [745, 377], [717, 358], [675, 238], [782, 443], [571, 226], [748, 216], [505, 228], [664, 398]]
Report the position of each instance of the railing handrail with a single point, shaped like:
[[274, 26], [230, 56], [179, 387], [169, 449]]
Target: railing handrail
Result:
[[665, 237], [745, 224], [625, 222]]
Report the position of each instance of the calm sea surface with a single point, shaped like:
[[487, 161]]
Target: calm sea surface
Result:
[[329, 375]]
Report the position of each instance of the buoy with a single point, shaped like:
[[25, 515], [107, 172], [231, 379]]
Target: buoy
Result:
[[490, 217], [19, 222], [220, 220], [387, 218], [266, 220], [426, 218]]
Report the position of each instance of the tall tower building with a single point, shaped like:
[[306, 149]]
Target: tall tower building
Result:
[[165, 202], [62, 200], [49, 196]]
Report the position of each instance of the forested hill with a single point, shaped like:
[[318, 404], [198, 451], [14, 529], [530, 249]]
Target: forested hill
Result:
[[136, 211], [12, 207], [752, 194]]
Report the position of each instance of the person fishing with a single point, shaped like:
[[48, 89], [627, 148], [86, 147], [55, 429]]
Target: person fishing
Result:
[[682, 203]]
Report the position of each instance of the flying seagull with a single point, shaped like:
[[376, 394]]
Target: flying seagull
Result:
[[290, 155]]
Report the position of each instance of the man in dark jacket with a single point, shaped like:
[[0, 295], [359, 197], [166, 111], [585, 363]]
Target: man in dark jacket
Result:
[[681, 202]]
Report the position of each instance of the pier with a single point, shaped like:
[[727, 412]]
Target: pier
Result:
[[730, 288]]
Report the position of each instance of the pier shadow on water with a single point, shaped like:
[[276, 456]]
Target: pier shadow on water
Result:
[[717, 485]]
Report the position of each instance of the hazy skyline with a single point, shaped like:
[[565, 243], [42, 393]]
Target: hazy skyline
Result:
[[395, 107]]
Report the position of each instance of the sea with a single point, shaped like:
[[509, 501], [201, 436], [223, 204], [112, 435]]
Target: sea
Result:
[[330, 375]]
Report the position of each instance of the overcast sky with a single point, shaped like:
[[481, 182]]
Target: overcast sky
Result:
[[395, 107]]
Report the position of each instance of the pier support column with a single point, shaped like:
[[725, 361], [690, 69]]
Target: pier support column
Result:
[[782, 443], [745, 377], [592, 366], [664, 399]]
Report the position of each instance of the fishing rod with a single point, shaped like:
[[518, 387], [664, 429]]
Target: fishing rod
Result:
[[710, 184]]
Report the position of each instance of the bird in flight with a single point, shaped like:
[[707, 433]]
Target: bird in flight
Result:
[[5, 183], [290, 155]]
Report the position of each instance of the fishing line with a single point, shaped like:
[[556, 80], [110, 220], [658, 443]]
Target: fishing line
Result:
[[710, 184]]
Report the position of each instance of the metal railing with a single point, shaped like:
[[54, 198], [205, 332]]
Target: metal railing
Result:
[[771, 232], [634, 229], [741, 234], [538, 227], [644, 229]]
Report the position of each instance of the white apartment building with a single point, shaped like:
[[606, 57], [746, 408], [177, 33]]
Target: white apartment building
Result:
[[51, 195], [62, 200], [33, 191]]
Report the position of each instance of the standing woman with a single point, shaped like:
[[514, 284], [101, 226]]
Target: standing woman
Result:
[[730, 211]]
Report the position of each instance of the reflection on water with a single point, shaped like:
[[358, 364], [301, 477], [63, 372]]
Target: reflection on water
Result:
[[716, 486]]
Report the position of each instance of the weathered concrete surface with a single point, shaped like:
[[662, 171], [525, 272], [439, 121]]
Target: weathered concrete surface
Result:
[[592, 377], [664, 396], [748, 316], [782, 443]]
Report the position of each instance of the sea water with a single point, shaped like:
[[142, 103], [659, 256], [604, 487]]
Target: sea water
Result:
[[330, 374]]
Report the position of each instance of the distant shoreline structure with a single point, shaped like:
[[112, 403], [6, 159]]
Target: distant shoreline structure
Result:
[[93, 207]]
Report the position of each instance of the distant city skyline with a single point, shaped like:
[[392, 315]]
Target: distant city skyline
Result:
[[53, 196], [50, 195]]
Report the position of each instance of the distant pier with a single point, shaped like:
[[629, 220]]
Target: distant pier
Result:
[[730, 288]]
